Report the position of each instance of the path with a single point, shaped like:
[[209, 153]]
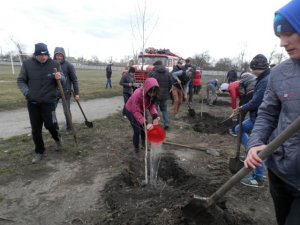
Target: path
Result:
[[16, 122]]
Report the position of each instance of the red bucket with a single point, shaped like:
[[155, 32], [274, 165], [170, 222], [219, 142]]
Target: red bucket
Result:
[[156, 135]]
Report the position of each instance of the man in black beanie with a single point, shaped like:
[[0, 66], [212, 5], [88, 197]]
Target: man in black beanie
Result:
[[260, 68], [37, 82]]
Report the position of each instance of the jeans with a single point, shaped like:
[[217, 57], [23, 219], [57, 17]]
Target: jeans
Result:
[[42, 114], [108, 82], [211, 94], [138, 130], [286, 200], [162, 105], [247, 126]]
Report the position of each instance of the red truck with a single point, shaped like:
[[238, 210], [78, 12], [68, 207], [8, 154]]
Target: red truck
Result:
[[145, 62]]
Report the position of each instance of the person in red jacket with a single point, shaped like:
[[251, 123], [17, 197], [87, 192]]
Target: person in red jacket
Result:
[[234, 90], [197, 82]]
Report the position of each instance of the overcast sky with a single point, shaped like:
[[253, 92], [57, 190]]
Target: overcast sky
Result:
[[107, 28]]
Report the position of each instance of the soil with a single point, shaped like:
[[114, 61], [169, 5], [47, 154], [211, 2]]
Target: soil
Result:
[[108, 186]]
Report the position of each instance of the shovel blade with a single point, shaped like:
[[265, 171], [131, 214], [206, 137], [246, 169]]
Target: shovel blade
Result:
[[192, 112], [195, 206], [89, 124], [235, 164]]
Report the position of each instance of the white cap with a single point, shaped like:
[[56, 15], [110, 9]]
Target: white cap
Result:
[[224, 87]]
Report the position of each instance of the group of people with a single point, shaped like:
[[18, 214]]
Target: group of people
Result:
[[38, 82], [179, 82], [272, 101]]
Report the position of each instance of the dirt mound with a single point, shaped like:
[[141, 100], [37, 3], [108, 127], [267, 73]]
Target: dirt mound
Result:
[[131, 202]]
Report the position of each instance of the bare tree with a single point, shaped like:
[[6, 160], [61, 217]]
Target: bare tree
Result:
[[142, 26], [20, 49], [202, 60], [279, 57], [141, 34]]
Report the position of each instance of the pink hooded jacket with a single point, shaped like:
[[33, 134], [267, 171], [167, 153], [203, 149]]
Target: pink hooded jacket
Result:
[[135, 102]]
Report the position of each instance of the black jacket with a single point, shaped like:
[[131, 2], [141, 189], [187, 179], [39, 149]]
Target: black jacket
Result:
[[36, 80], [164, 80]]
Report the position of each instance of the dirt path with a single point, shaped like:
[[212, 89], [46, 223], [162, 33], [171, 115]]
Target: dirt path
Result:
[[16, 122]]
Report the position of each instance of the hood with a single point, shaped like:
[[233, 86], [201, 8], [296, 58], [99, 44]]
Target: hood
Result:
[[150, 83], [59, 50], [160, 69]]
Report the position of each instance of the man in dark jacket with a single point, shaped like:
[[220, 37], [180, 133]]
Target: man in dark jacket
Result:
[[260, 68], [192, 68], [108, 71], [71, 80], [38, 83], [180, 82], [163, 77], [127, 82]]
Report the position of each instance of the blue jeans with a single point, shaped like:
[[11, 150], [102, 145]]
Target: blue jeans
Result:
[[164, 110], [108, 83], [247, 128]]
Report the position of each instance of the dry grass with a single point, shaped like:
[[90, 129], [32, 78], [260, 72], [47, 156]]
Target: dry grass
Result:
[[91, 85]]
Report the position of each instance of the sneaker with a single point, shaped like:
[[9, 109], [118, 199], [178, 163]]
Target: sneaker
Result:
[[37, 158], [232, 133], [251, 181]]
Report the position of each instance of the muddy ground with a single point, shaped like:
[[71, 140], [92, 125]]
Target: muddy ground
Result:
[[102, 182]]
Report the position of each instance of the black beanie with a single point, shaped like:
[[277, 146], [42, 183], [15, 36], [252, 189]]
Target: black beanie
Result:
[[41, 49], [259, 62]]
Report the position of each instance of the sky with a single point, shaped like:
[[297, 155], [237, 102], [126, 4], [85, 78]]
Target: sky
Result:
[[111, 29]]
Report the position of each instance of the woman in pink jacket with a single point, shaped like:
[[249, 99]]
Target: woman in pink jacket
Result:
[[141, 100]]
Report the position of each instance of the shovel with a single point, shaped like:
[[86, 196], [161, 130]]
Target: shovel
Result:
[[229, 118], [235, 164], [199, 204], [65, 105], [87, 123], [213, 152], [192, 112]]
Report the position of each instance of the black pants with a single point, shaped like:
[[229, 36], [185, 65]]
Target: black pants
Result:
[[42, 114], [138, 130], [286, 201], [191, 92], [126, 96]]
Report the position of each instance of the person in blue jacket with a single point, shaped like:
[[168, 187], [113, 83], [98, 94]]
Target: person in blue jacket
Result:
[[260, 68], [280, 107]]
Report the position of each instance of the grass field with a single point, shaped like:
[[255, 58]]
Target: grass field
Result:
[[91, 85]]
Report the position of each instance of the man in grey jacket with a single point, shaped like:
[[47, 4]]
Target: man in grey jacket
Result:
[[280, 107], [71, 80], [37, 82]]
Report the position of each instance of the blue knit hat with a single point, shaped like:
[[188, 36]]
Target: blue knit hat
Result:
[[282, 25], [41, 49], [287, 18]]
